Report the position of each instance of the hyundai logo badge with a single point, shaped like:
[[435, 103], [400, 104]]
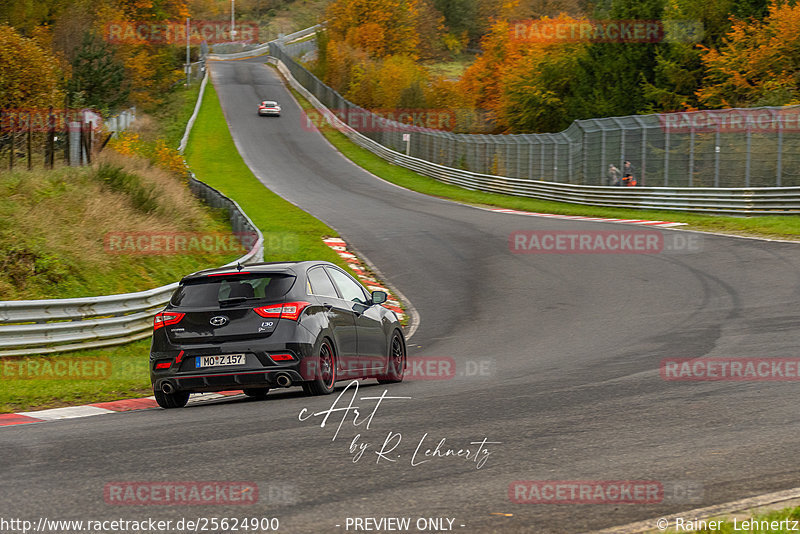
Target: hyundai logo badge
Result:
[[219, 320]]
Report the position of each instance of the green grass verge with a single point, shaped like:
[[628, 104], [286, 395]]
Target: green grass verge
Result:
[[289, 233], [746, 525], [778, 226], [99, 375], [174, 114]]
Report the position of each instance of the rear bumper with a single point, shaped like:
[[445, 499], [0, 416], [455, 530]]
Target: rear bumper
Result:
[[183, 373], [222, 381]]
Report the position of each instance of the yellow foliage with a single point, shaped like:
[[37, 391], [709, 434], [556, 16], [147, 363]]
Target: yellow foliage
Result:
[[28, 74], [159, 154], [758, 63]]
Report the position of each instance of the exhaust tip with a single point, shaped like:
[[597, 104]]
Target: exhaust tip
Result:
[[284, 380], [167, 388]]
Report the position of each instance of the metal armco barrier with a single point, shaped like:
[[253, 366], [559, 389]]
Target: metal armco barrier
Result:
[[264, 49], [239, 55], [48, 326], [720, 200]]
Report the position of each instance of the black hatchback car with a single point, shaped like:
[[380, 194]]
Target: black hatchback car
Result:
[[270, 325]]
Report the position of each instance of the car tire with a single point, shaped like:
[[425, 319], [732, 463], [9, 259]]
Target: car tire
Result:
[[171, 400], [396, 361], [256, 393], [325, 372]]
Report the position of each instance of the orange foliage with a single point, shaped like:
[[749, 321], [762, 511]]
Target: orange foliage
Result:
[[759, 62], [384, 27], [515, 75], [28, 74], [159, 154]]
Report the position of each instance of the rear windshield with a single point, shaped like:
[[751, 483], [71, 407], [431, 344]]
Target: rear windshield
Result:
[[270, 104], [233, 289]]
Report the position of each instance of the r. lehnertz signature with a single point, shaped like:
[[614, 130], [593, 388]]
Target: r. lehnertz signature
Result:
[[477, 452]]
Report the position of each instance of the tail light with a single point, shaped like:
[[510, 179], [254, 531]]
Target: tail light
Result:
[[287, 310], [281, 357], [166, 318]]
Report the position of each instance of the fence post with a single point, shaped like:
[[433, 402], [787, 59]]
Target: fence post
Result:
[[780, 154], [691, 156], [74, 136], [644, 153], [30, 149], [13, 138], [747, 156], [716, 155], [66, 128], [555, 160], [88, 140], [602, 151], [530, 160], [585, 159], [51, 133], [541, 161], [666, 156], [570, 177]]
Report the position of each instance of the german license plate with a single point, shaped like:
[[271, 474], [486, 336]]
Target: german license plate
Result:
[[219, 360]]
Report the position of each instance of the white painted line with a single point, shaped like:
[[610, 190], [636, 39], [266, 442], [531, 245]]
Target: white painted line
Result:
[[199, 397], [69, 412], [643, 222]]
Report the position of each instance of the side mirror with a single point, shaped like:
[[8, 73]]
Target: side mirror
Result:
[[378, 297]]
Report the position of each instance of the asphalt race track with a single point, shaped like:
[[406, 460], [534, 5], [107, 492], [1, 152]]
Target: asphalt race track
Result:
[[557, 359]]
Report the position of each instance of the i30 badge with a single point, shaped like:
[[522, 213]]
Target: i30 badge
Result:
[[219, 320]]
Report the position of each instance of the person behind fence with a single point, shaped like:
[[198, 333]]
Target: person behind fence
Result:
[[627, 174], [613, 175]]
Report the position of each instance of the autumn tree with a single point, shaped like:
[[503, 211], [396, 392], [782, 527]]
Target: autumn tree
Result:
[[384, 27], [29, 75], [758, 63], [527, 85]]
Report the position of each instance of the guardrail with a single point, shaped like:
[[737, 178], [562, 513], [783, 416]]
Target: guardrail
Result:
[[734, 200], [261, 50], [190, 124], [264, 49]]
